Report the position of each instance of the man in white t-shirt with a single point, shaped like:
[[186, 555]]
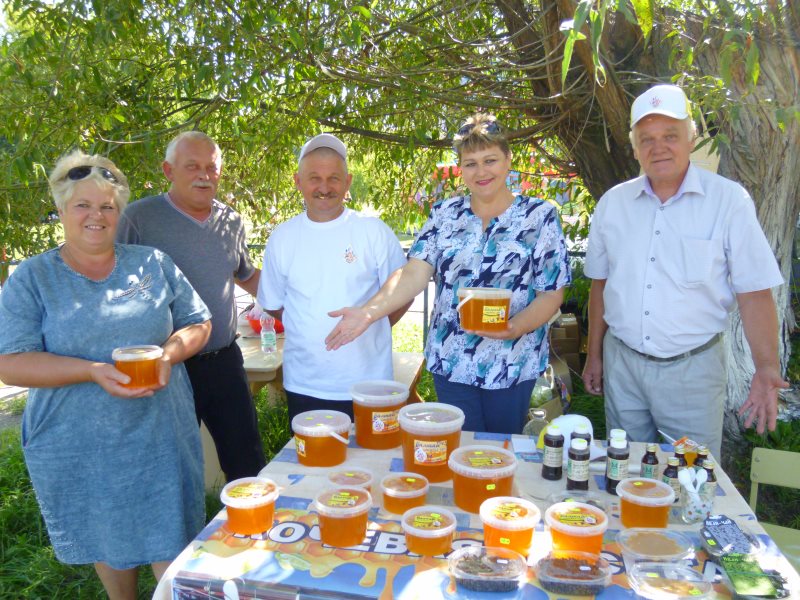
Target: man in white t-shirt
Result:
[[327, 257], [670, 253]]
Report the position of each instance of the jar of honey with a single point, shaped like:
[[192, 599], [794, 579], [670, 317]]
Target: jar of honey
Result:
[[644, 502], [249, 504], [320, 437], [509, 523], [430, 432], [376, 405], [484, 309], [402, 491], [576, 526], [140, 363], [343, 514], [351, 476], [429, 530], [481, 472]]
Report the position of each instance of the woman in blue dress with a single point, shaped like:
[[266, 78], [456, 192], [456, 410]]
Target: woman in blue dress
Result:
[[117, 471], [487, 238]]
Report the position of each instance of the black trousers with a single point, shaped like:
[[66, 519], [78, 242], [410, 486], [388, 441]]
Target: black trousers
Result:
[[299, 403], [222, 401]]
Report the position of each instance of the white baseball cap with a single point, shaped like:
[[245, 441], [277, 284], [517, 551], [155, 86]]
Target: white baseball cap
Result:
[[324, 140], [667, 100]]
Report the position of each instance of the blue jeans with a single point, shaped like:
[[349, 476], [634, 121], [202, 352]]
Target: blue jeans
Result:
[[495, 411]]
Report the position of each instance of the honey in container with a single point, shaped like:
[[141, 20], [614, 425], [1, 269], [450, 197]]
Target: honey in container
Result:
[[320, 437], [430, 433], [343, 514], [140, 363], [376, 407], [576, 526], [351, 476], [484, 309], [402, 491], [481, 472], [644, 502], [250, 504], [509, 523], [429, 530]]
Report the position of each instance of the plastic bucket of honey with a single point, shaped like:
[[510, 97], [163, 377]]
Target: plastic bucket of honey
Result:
[[343, 513], [644, 502], [376, 405], [402, 491], [250, 504], [479, 473], [483, 309], [576, 526], [429, 530], [352, 476], [509, 523], [140, 363], [430, 432], [320, 437]]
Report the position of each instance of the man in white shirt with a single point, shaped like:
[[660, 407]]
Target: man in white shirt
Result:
[[670, 252], [328, 257]]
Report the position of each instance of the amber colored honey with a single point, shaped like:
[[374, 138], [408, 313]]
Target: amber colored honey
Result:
[[248, 521], [470, 492], [400, 505], [343, 531], [474, 319], [143, 373], [429, 546], [638, 515], [435, 471], [375, 440], [324, 451], [584, 543], [518, 540]]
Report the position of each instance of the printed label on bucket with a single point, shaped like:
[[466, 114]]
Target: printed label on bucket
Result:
[[428, 521], [385, 422], [493, 314], [300, 446], [343, 499], [430, 453]]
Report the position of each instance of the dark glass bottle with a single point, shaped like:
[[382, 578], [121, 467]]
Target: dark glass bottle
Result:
[[702, 457], [582, 432], [553, 460], [616, 463], [670, 476], [680, 454], [578, 465], [709, 488], [650, 462]]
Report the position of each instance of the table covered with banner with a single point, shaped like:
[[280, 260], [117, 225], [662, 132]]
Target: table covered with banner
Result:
[[290, 561]]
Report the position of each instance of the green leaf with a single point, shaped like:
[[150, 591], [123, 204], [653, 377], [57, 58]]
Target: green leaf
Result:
[[752, 63], [568, 45], [644, 15]]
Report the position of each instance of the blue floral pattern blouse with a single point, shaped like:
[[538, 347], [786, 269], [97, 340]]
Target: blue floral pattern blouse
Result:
[[522, 250]]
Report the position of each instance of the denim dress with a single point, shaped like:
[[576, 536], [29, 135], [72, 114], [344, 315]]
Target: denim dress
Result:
[[118, 480]]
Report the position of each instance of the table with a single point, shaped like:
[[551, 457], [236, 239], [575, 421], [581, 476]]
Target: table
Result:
[[289, 561]]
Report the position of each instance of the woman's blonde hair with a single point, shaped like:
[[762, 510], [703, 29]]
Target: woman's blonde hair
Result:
[[478, 132], [78, 166]]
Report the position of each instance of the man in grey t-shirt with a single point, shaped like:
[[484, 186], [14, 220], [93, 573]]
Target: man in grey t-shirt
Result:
[[207, 241]]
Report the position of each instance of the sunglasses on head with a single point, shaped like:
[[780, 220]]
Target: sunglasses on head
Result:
[[82, 172], [490, 127]]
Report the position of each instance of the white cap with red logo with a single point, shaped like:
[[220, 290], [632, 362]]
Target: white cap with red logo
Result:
[[667, 100]]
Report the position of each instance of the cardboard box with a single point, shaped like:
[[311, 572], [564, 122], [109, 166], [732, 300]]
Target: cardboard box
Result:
[[561, 369]]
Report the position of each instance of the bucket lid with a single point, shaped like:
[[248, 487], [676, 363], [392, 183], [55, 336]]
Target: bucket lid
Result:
[[343, 501], [249, 492], [510, 514], [431, 418], [405, 485], [379, 392], [133, 353], [319, 423], [646, 492], [576, 518], [484, 292], [482, 462], [428, 521], [352, 476], [649, 544]]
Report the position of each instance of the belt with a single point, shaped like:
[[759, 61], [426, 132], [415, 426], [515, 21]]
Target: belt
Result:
[[208, 355], [710, 343]]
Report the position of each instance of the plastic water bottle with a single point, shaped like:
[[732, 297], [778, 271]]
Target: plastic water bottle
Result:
[[269, 339]]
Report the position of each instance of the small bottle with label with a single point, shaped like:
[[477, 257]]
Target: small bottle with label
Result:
[[616, 463], [269, 339], [553, 460], [581, 431], [702, 456], [650, 462], [670, 476], [578, 465], [709, 488], [680, 454]]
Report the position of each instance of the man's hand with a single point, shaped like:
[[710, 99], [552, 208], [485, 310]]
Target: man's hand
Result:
[[593, 376], [761, 405], [354, 322]]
